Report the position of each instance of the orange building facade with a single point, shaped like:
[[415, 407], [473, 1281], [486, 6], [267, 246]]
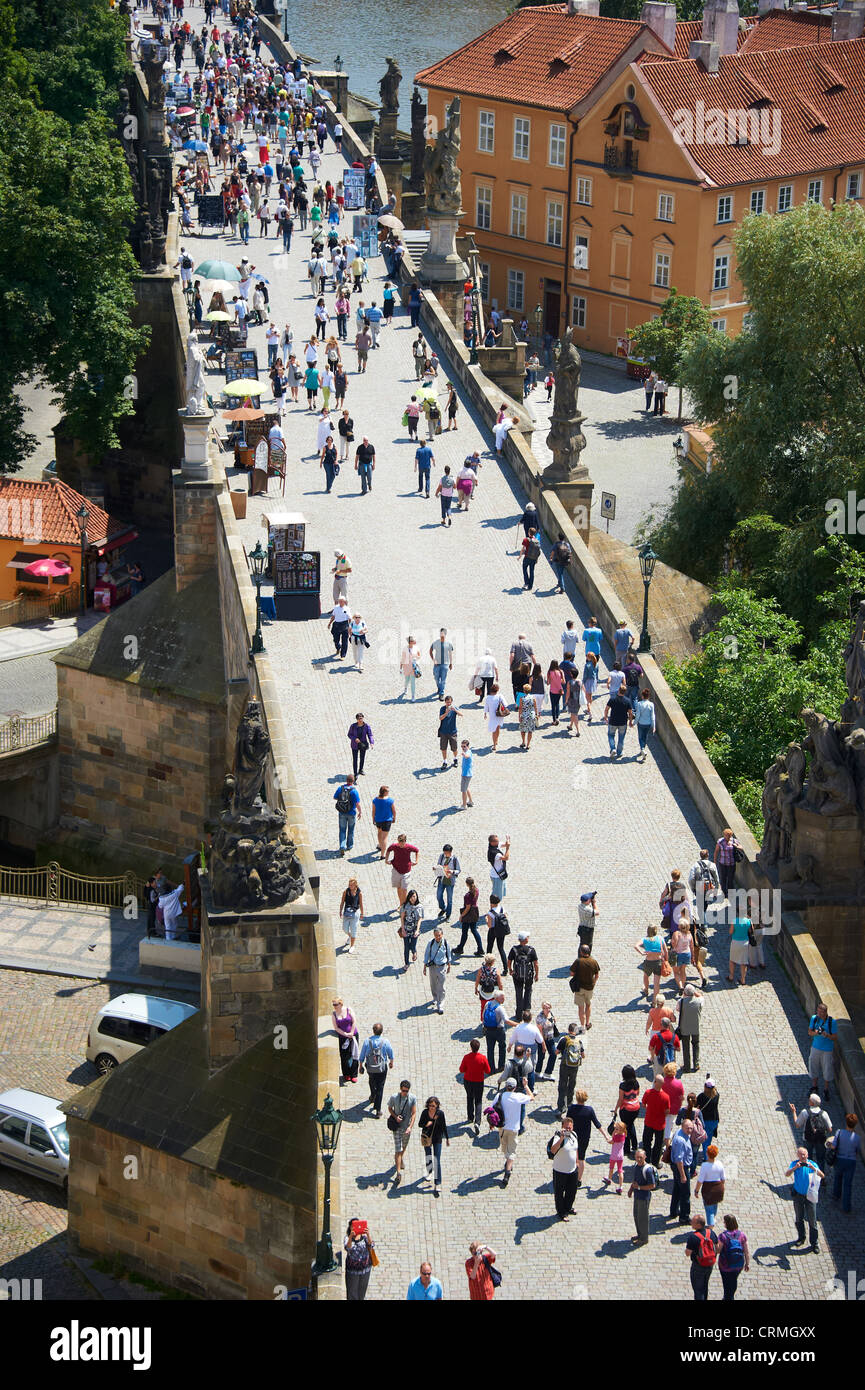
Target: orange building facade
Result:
[[665, 155]]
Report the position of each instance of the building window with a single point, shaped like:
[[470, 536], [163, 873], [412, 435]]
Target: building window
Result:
[[555, 222], [854, 185], [815, 191], [584, 191], [722, 271], [484, 217], [519, 209], [725, 208], [485, 281], [522, 127], [662, 269], [486, 131], [758, 200], [581, 253], [557, 146], [785, 197], [578, 311], [516, 289], [719, 325], [666, 205]]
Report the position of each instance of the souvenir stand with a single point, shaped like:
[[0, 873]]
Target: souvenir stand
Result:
[[296, 571]]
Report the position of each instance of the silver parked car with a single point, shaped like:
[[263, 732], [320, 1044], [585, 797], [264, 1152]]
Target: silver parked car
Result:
[[33, 1135]]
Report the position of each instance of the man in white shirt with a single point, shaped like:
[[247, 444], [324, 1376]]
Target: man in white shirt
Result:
[[704, 883], [276, 436], [564, 1150], [530, 1036], [272, 337], [511, 1106], [570, 638], [616, 679], [240, 310], [311, 353]]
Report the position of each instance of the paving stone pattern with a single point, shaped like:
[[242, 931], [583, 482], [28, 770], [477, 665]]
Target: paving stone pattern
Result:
[[576, 822]]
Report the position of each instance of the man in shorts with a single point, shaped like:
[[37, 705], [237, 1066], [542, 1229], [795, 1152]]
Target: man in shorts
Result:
[[401, 1114], [512, 1108], [399, 856], [448, 717]]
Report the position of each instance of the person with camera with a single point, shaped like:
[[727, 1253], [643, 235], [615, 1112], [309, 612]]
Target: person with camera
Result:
[[479, 1268], [358, 1246], [563, 1149], [806, 1190], [822, 1030], [401, 1115]]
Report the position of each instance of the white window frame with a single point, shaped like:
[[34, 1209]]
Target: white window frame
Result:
[[758, 196], [584, 192], [580, 239], [521, 215], [719, 325], [663, 266], [483, 203], [522, 138], [551, 204], [787, 190], [487, 132], [516, 278], [579, 305], [484, 268], [726, 199], [721, 271], [858, 186], [557, 143], [815, 186], [666, 207]]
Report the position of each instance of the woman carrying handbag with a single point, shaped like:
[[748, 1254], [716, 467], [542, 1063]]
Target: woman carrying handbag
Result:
[[433, 1131]]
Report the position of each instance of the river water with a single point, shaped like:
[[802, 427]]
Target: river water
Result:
[[414, 32]]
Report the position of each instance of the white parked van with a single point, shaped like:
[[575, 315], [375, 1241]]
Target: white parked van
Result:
[[33, 1135], [126, 1024]]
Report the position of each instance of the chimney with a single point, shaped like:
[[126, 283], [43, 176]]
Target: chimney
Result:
[[848, 21], [661, 19], [584, 7], [705, 53], [721, 25]]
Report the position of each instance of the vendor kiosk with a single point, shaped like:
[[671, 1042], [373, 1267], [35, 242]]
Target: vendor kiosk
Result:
[[296, 571], [114, 588]]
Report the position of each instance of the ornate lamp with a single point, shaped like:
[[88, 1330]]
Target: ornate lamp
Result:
[[328, 1122], [257, 565], [648, 561], [82, 516]]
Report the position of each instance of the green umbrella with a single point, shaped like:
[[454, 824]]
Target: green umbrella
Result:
[[218, 270]]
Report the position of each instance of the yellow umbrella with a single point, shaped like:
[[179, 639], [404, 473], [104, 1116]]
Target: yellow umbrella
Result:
[[247, 387], [217, 316], [427, 393]]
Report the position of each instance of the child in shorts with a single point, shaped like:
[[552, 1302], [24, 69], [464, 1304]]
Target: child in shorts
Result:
[[466, 772], [617, 1153]]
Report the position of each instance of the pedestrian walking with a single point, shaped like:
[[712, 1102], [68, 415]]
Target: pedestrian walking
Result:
[[360, 737], [590, 683], [383, 817], [402, 858], [649, 388], [846, 1146], [433, 1132], [654, 953], [816, 1127], [806, 1189], [496, 713], [644, 718], [524, 969], [401, 1116], [663, 1046], [347, 798], [701, 1250], [584, 975], [441, 655], [351, 912], [415, 299], [708, 1102], [530, 551], [660, 396], [657, 1108], [583, 1116], [358, 1246], [495, 1020], [410, 916], [418, 352], [485, 676], [512, 1107], [447, 730], [527, 715], [446, 872], [377, 1056], [474, 1070], [359, 639], [497, 857], [588, 915], [711, 1181], [445, 492], [555, 683], [345, 1026], [681, 1158], [741, 935], [345, 429], [644, 1181], [562, 1149], [822, 1030], [498, 927], [727, 852], [571, 1053], [690, 1013], [410, 665], [616, 1138], [549, 1030], [437, 960], [627, 1107], [466, 773], [560, 558], [618, 717], [734, 1256], [480, 1268], [364, 465]]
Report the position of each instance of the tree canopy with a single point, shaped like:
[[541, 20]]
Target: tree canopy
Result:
[[66, 267]]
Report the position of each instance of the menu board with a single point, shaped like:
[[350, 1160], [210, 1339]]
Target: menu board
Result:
[[210, 210], [353, 186], [241, 365]]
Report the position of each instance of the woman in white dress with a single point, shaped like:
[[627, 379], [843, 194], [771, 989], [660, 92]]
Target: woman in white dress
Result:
[[485, 673], [324, 427], [493, 704]]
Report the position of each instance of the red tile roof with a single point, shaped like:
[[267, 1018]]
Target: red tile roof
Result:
[[821, 123], [689, 29], [788, 29], [538, 56], [45, 513]]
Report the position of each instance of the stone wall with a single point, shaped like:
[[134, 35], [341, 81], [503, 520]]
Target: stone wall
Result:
[[29, 798], [138, 767], [190, 1228]]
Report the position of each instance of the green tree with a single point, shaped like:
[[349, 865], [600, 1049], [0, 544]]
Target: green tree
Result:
[[663, 340]]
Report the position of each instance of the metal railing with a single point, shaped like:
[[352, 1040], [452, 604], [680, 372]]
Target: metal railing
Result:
[[30, 608], [55, 886], [27, 731]]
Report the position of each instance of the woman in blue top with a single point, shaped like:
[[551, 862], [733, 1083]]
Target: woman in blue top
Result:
[[383, 817], [590, 681], [654, 954], [846, 1145], [739, 948]]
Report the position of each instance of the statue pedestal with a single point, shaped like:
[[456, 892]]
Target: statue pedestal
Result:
[[195, 464], [440, 263], [392, 170], [575, 495], [836, 847], [387, 148]]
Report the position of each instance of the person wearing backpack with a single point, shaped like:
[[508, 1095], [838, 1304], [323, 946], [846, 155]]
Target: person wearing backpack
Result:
[[531, 553], [377, 1056], [522, 1068], [347, 798], [733, 1256], [644, 1181], [495, 1021], [571, 1053], [524, 970], [560, 557], [663, 1047], [701, 1248], [816, 1127], [498, 927]]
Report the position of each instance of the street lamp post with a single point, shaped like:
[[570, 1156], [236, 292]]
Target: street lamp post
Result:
[[539, 314], [82, 516], [257, 562], [648, 561], [337, 63], [328, 1122]]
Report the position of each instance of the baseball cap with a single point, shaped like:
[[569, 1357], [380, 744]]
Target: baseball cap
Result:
[[523, 935], [710, 1081], [510, 1084], [587, 897]]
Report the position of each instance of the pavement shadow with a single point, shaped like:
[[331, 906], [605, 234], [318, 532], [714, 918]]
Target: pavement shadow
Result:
[[615, 1249], [533, 1225], [478, 1184], [374, 1179]]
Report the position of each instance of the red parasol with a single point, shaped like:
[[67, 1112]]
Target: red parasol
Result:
[[47, 569]]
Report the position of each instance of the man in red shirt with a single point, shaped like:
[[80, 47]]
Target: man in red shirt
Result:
[[474, 1069], [399, 856], [657, 1104]]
